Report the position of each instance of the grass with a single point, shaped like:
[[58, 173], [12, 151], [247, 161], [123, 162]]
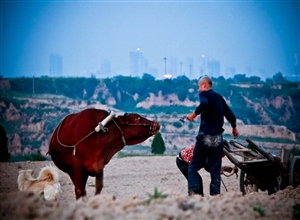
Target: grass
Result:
[[155, 195], [296, 211], [122, 154], [260, 211]]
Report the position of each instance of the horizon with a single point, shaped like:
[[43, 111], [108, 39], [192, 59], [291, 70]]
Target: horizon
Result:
[[285, 79], [256, 38]]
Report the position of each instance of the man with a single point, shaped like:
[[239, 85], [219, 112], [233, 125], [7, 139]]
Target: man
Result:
[[209, 144]]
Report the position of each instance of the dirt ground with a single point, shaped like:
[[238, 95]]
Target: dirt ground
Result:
[[128, 183]]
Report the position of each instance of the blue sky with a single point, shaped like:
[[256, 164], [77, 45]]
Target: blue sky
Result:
[[239, 34]]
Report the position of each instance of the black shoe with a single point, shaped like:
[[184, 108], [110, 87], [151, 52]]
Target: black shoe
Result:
[[191, 193]]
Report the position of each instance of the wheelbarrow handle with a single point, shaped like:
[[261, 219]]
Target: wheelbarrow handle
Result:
[[260, 150]]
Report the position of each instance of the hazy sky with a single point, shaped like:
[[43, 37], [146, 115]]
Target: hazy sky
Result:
[[240, 34]]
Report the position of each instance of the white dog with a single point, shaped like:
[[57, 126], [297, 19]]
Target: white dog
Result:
[[46, 184]]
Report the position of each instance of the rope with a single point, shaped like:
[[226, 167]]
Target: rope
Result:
[[74, 146], [123, 138], [224, 185], [235, 171], [152, 127]]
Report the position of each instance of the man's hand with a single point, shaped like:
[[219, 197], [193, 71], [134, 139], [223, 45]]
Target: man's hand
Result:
[[191, 116], [235, 133]]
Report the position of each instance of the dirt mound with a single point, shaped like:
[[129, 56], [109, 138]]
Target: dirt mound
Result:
[[231, 205], [129, 185]]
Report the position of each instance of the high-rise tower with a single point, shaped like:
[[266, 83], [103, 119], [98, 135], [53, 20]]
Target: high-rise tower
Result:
[[56, 68], [138, 63]]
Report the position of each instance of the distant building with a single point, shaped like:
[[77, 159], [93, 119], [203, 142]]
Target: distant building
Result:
[[56, 66], [138, 63], [297, 69], [203, 65], [213, 67], [105, 68], [230, 72], [262, 73], [295, 75], [248, 70], [190, 68], [173, 67]]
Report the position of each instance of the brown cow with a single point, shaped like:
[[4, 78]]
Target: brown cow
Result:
[[79, 150]]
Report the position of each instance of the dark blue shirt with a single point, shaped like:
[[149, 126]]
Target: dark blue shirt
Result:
[[213, 108]]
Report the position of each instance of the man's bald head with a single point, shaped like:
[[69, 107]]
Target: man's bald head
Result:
[[204, 84], [205, 79]]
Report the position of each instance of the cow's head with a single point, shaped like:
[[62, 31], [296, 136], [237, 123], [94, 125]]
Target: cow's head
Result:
[[136, 128]]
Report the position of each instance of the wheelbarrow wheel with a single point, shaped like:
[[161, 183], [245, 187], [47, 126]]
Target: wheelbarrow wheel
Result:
[[294, 174], [246, 186]]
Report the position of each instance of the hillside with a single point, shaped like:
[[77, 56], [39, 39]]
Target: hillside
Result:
[[268, 116]]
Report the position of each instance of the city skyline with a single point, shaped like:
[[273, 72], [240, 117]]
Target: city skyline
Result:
[[246, 37], [139, 66]]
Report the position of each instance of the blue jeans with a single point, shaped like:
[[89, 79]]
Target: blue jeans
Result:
[[207, 153]]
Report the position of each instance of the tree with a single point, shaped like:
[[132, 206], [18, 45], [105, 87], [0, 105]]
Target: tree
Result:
[[4, 155], [182, 93], [221, 79], [254, 79], [148, 77], [158, 145], [278, 78], [240, 78]]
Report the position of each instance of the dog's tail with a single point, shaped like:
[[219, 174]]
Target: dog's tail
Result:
[[51, 192], [49, 173]]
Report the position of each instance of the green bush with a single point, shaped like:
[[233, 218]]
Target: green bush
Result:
[[158, 145], [295, 151], [35, 156], [177, 124]]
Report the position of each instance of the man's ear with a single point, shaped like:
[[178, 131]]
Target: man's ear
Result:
[[123, 119]]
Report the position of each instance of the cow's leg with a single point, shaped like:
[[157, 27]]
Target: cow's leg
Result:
[[99, 182], [74, 183], [79, 178]]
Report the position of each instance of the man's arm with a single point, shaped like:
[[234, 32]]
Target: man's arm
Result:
[[235, 133], [191, 116], [200, 107], [229, 115]]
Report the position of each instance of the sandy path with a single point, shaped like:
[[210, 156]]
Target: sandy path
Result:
[[131, 176]]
